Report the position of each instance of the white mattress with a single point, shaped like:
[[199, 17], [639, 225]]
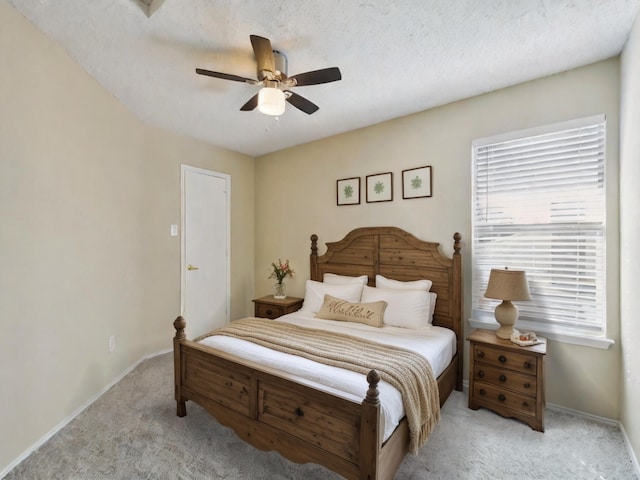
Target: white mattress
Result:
[[436, 344]]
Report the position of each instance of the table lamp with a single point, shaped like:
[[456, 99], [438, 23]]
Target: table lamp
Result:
[[507, 285]]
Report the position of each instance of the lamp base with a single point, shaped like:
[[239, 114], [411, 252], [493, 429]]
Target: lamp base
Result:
[[505, 332], [506, 315]]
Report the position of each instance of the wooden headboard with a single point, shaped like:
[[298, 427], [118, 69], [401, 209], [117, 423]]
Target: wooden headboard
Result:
[[397, 254]]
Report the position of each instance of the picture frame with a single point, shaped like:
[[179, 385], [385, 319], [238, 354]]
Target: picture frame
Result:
[[380, 187], [417, 182], [348, 191]]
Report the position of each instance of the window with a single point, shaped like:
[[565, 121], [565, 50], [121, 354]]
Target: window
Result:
[[539, 206]]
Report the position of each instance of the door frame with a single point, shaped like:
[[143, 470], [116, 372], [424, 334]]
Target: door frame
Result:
[[183, 239]]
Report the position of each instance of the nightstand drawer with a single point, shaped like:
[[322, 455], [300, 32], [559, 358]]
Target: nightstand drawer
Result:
[[508, 359], [503, 378], [268, 311], [485, 392]]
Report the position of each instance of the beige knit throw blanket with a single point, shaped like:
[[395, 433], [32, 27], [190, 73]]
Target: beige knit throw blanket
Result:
[[407, 371]]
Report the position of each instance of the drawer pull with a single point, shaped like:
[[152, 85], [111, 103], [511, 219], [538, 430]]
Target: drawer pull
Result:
[[502, 359], [482, 391], [481, 354], [525, 404], [502, 378], [269, 312], [299, 412], [527, 364], [481, 374], [527, 385], [501, 397]]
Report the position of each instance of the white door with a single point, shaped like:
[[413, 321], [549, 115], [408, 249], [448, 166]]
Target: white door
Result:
[[205, 250]]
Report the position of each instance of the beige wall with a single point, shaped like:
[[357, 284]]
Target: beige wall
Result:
[[297, 188], [630, 237], [87, 196]]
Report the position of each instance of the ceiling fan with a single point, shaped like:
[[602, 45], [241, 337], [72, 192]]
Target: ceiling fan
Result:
[[272, 75]]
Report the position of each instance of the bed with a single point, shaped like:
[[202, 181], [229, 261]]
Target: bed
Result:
[[301, 418]]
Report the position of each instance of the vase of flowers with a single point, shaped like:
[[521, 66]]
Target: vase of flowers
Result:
[[280, 271], [279, 290]]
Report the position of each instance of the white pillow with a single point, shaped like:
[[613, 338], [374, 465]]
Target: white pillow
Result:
[[335, 279], [432, 307], [315, 292], [405, 308], [382, 282]]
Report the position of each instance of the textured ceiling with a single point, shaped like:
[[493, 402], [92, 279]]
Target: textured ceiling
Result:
[[396, 57]]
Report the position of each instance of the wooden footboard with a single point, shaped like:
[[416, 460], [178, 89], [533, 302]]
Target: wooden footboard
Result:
[[275, 411], [272, 410]]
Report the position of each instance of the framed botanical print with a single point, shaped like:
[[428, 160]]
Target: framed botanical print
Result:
[[380, 187], [348, 191], [416, 182]]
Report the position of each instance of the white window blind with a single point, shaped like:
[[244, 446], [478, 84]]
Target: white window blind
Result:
[[539, 206]]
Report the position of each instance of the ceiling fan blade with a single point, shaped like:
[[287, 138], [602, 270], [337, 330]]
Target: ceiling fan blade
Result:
[[264, 55], [316, 77], [251, 104], [225, 76], [301, 103]]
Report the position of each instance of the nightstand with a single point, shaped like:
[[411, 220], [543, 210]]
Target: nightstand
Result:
[[507, 378], [269, 307]]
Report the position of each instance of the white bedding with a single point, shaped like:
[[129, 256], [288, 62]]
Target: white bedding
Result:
[[436, 344]]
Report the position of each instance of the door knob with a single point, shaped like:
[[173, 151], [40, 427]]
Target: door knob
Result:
[[191, 267]]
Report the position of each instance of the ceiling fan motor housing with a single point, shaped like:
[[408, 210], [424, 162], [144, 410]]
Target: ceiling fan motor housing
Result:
[[281, 63]]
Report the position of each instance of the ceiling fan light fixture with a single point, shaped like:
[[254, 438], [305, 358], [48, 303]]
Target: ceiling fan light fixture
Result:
[[271, 101]]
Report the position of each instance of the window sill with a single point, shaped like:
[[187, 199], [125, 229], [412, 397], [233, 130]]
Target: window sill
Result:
[[564, 337]]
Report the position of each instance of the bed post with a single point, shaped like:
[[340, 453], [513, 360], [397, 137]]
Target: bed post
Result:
[[457, 308], [179, 324], [369, 430], [313, 258]]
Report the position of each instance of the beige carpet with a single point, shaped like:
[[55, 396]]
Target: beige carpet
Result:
[[132, 433]]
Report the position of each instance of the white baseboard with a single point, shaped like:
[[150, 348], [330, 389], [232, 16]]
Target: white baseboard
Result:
[[632, 454], [75, 413], [579, 413]]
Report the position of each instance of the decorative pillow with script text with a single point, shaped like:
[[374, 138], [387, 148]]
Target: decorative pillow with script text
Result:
[[371, 314]]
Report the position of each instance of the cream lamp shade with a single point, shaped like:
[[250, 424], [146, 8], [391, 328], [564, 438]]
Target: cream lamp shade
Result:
[[271, 101], [507, 285]]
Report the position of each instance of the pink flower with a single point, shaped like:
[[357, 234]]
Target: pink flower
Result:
[[281, 270]]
